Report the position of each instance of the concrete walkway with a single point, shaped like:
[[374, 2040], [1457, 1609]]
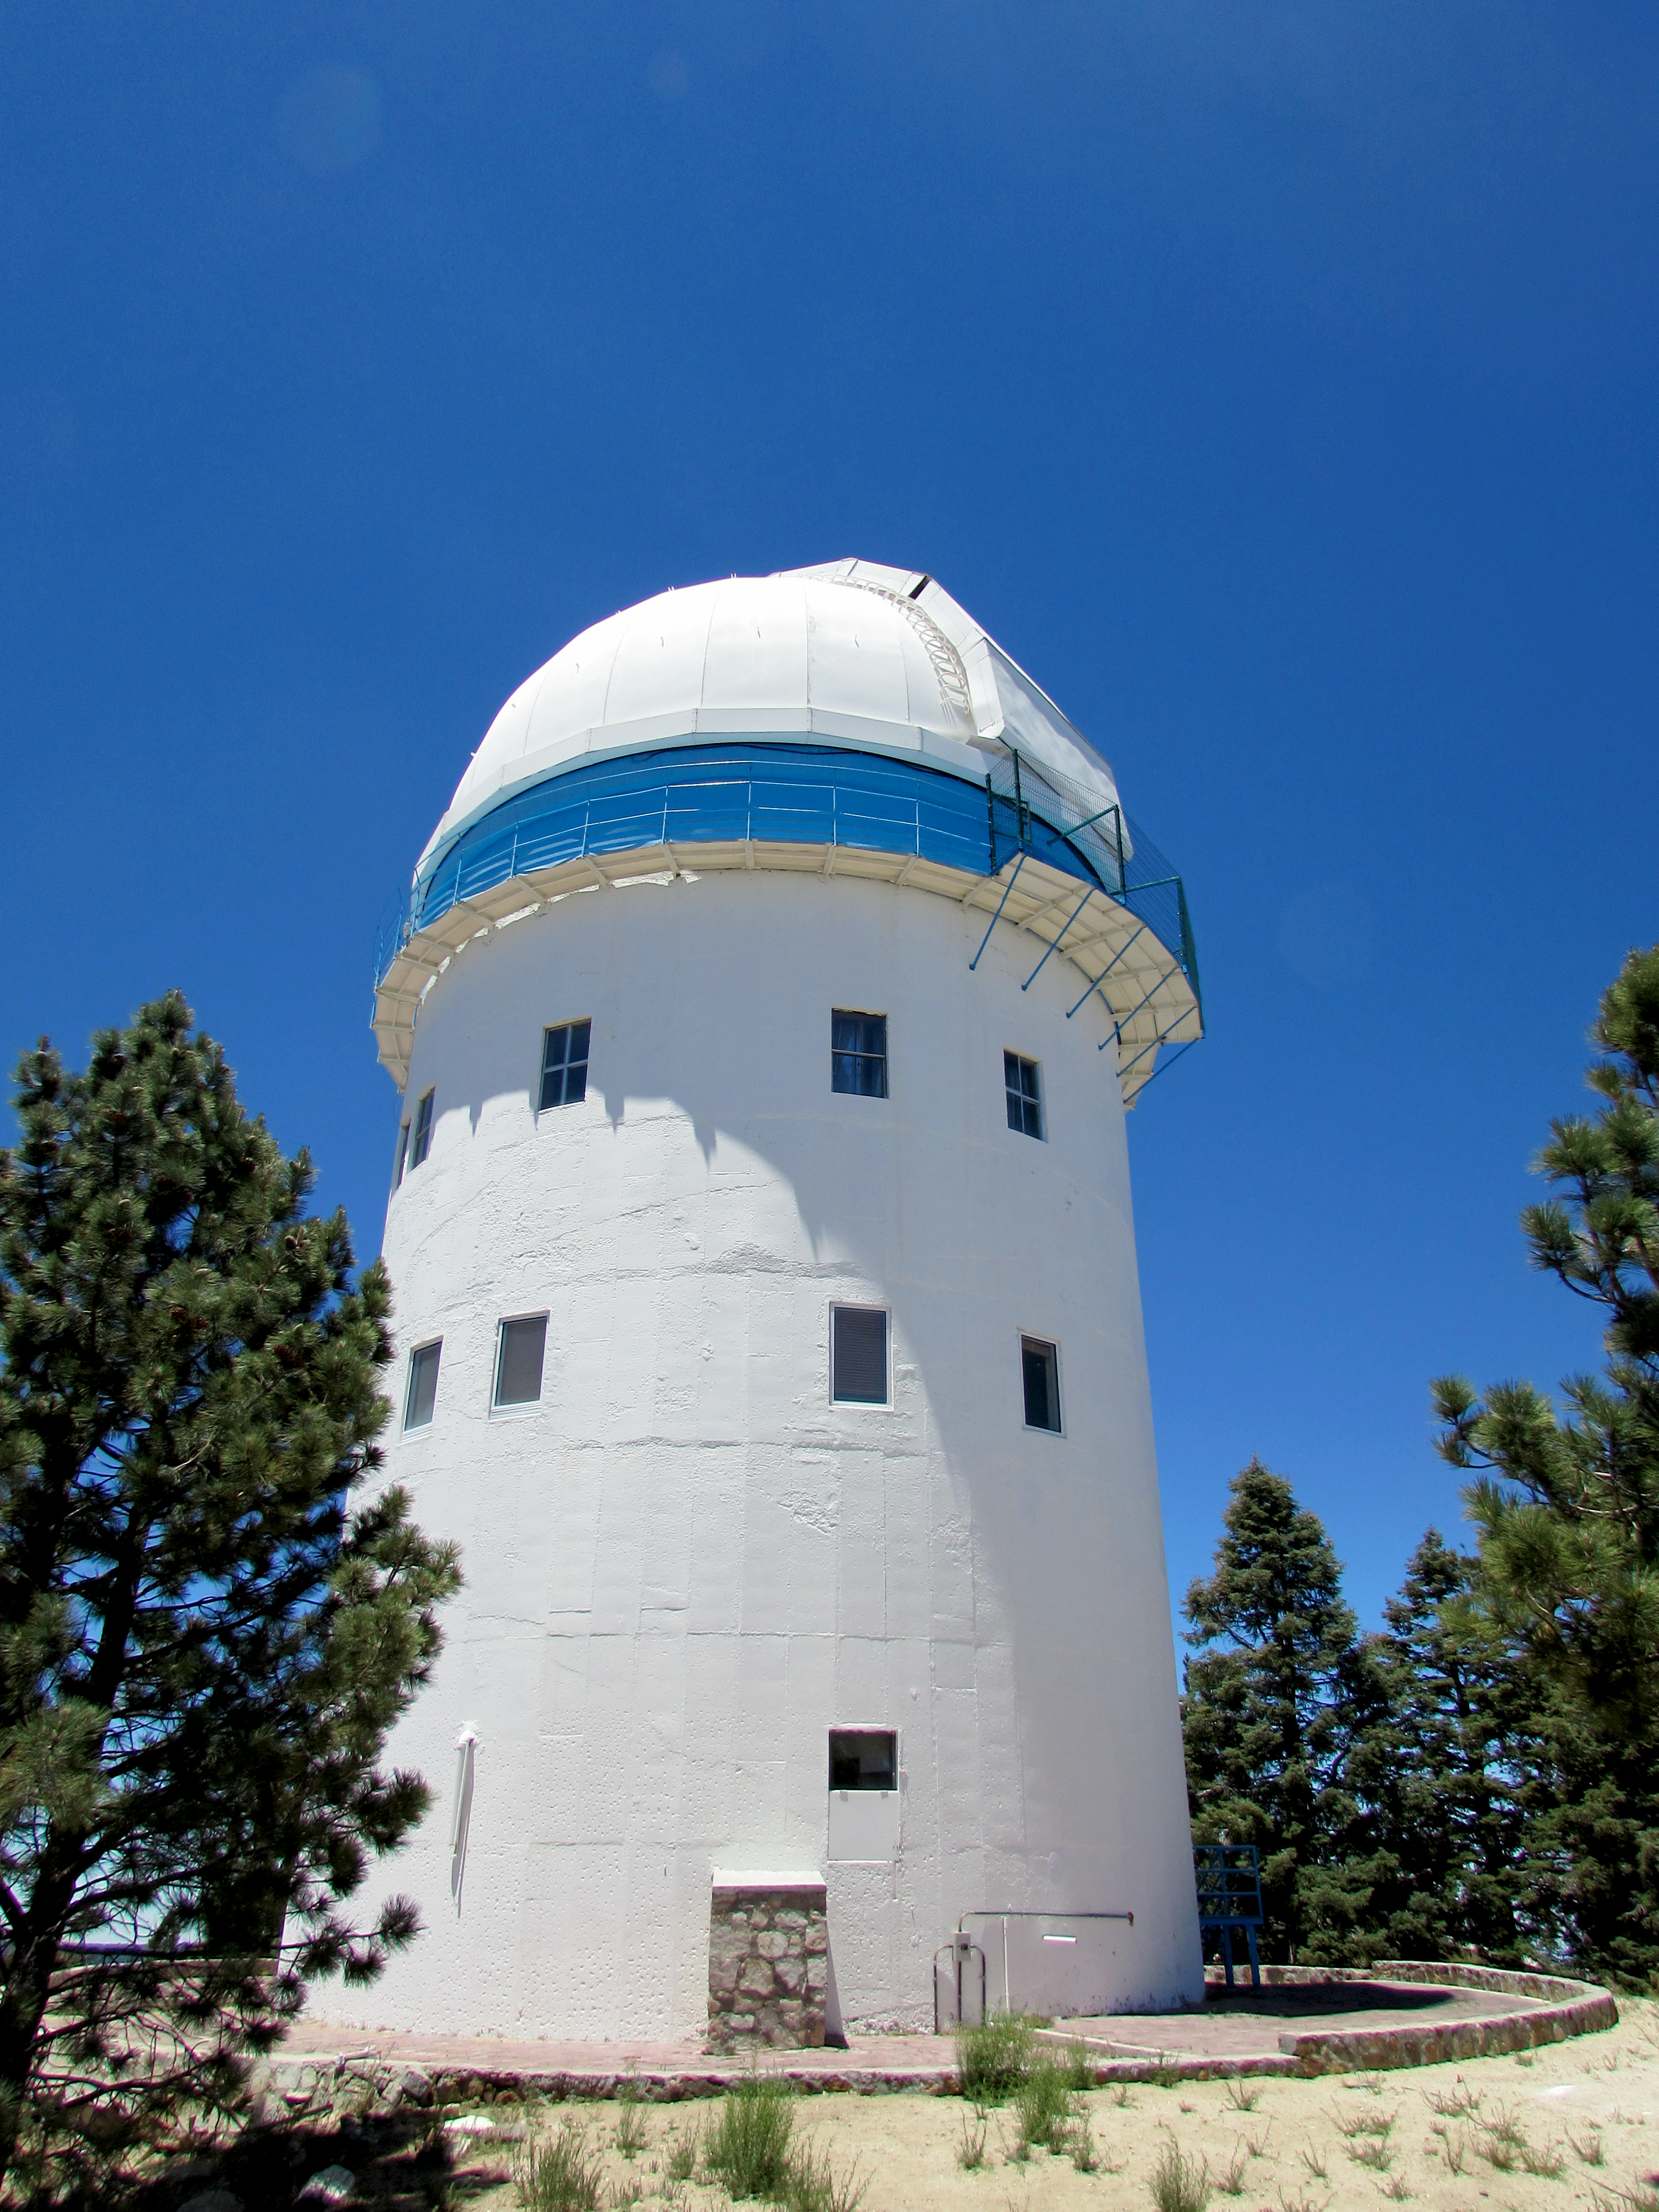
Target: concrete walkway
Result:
[[1347, 2023]]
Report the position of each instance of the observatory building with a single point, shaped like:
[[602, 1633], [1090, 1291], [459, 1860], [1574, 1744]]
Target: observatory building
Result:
[[765, 1010]]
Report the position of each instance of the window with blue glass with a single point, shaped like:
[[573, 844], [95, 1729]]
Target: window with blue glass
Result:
[[564, 1064], [1024, 1092], [857, 1053], [422, 1395]]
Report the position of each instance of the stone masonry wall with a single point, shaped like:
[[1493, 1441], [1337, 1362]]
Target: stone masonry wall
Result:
[[769, 1966]]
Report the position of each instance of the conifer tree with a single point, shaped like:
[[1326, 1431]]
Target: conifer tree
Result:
[[1567, 1507], [1276, 1707], [1451, 1774], [204, 1640]]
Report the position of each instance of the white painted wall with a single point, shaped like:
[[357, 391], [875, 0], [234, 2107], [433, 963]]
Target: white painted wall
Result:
[[685, 1565]]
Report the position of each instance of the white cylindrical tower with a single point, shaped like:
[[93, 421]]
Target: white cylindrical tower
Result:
[[765, 1009]]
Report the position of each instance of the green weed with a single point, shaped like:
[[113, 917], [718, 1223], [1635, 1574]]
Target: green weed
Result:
[[1589, 2151], [1079, 2065], [554, 2173], [1043, 2104], [1180, 2183], [813, 2185], [970, 2152], [632, 2134], [1244, 2096], [1231, 2183], [747, 2148], [994, 2058]]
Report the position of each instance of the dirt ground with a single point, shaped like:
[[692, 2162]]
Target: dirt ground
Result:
[[1573, 2124]]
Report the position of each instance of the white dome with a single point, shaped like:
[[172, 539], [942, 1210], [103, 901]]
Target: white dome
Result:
[[879, 659]]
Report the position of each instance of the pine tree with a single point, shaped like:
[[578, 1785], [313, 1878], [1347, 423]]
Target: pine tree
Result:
[[1567, 1507], [1275, 1717], [1453, 1773], [202, 1641]]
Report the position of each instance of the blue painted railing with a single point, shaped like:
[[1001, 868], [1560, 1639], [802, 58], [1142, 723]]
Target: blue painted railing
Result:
[[780, 793]]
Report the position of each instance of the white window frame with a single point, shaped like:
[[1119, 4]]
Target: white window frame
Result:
[[857, 1405], [573, 1022], [527, 1406], [421, 1428]]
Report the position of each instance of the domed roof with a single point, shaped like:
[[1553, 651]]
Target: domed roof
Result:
[[854, 653]]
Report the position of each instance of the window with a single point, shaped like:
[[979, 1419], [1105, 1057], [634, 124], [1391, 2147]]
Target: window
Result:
[[403, 1153], [421, 1143], [422, 1385], [857, 1053], [564, 1064], [858, 1357], [519, 1356], [1041, 1364], [863, 1759], [1020, 1080]]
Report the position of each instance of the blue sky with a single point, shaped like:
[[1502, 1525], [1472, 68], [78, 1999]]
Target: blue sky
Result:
[[1276, 383]]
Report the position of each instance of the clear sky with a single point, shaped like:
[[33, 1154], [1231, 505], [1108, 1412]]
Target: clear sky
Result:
[[1275, 382]]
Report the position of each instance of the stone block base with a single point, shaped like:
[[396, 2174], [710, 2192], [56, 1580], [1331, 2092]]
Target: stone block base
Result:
[[768, 1962]]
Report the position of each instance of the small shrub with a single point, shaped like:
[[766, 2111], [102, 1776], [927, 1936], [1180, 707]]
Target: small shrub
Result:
[[1180, 2183], [1079, 2065], [1589, 2151], [1244, 2096], [813, 2185], [554, 2173], [970, 2152], [1043, 2104], [1372, 2153], [1457, 2149], [1231, 2183], [1084, 2157], [747, 2148], [632, 2134], [1121, 2098], [1526, 2057], [994, 2058], [1314, 2161], [1397, 2189], [1456, 2103], [681, 2160], [1547, 2164], [1164, 2074]]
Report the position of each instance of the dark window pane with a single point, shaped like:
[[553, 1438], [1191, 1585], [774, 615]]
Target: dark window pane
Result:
[[857, 1053], [422, 1140], [422, 1385], [1025, 1099], [859, 1355], [863, 1759], [564, 1064], [519, 1364], [1042, 1384], [402, 1149]]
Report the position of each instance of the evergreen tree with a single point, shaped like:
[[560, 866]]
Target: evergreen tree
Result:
[[1451, 1774], [1567, 1507], [201, 1643], [1281, 1700]]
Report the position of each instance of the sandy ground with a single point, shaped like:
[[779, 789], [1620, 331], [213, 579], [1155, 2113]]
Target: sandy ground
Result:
[[1574, 2123]]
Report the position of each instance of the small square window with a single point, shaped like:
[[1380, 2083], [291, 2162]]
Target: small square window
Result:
[[858, 1355], [857, 1053], [863, 1759], [1041, 1363], [422, 1385], [1020, 1080], [421, 1143], [564, 1064], [518, 1356]]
